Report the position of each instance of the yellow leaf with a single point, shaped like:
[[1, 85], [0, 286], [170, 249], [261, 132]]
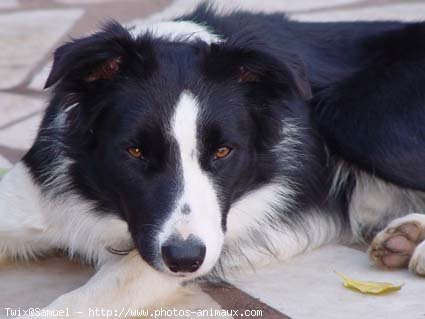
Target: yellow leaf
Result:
[[368, 287]]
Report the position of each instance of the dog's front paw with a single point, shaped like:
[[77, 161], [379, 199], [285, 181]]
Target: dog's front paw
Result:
[[394, 246]]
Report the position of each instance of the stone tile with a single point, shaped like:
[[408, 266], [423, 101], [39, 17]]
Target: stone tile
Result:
[[190, 298], [21, 135], [56, 276], [406, 12], [12, 155], [38, 81], [281, 5], [179, 7], [9, 4], [82, 1], [309, 280], [26, 37], [20, 117], [38, 284], [14, 107], [4, 164], [231, 298]]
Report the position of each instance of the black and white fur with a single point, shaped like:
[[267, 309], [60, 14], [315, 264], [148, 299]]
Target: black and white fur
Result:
[[324, 122]]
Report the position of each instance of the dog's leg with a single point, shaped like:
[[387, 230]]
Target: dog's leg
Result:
[[401, 244], [122, 283], [22, 226]]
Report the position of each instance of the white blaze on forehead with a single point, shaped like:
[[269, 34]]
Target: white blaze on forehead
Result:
[[184, 126], [186, 31], [204, 218]]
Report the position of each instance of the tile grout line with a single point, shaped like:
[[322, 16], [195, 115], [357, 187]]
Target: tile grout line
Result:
[[13, 155], [231, 298], [20, 119], [354, 5]]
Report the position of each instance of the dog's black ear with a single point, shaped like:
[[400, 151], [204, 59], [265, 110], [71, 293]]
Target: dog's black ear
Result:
[[254, 64], [97, 57], [86, 70]]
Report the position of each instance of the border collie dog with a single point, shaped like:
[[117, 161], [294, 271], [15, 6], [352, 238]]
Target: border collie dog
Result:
[[197, 146]]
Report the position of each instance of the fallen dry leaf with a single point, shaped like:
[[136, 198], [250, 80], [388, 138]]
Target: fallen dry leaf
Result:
[[369, 287]]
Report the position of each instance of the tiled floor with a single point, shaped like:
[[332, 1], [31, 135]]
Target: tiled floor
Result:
[[303, 288]]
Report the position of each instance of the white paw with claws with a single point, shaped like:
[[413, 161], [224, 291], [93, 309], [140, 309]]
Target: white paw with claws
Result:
[[401, 244]]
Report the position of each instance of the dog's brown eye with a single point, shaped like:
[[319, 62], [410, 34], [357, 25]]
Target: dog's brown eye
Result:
[[222, 152], [135, 152]]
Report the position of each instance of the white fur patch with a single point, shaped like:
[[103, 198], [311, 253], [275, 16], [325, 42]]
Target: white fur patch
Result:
[[32, 223], [375, 203], [204, 219], [253, 208], [176, 31], [20, 225], [256, 234]]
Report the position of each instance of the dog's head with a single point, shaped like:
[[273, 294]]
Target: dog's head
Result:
[[169, 134]]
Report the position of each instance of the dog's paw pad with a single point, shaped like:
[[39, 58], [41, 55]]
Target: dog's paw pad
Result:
[[394, 246], [412, 230], [393, 253]]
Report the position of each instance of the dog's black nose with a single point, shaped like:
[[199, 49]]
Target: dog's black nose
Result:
[[183, 255]]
